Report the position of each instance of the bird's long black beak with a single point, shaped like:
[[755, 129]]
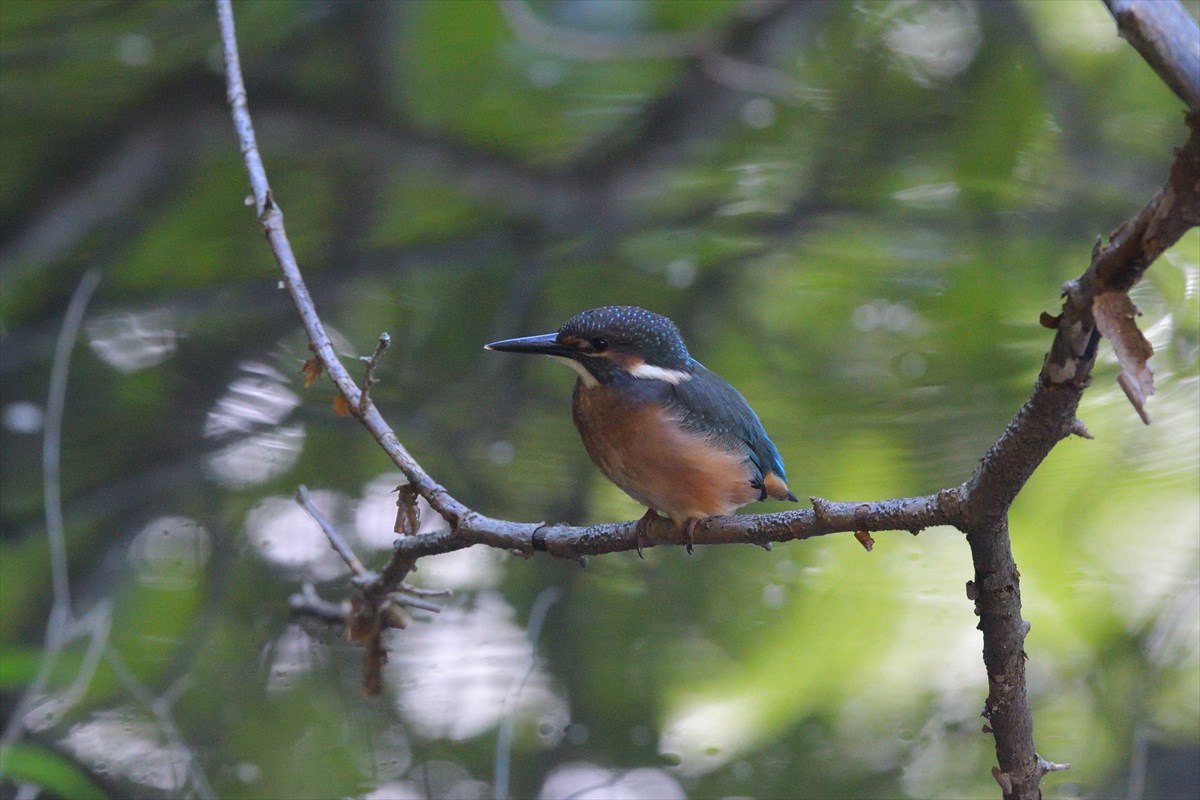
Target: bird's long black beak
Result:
[[545, 344]]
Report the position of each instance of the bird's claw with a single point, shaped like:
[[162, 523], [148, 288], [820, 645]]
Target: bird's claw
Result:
[[640, 531], [689, 534]]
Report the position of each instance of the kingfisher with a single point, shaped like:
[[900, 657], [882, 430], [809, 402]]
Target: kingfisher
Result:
[[672, 434]]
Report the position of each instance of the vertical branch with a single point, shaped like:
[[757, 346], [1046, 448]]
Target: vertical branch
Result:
[[996, 591]]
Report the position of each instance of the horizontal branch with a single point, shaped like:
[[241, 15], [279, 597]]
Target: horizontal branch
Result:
[[307, 603], [911, 514]]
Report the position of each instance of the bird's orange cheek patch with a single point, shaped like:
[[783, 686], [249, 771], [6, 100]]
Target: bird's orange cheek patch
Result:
[[625, 361]]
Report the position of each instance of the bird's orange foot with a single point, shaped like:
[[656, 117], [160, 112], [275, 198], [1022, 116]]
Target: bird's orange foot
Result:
[[646, 520], [689, 534]]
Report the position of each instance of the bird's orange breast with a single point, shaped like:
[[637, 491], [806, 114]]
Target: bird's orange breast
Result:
[[642, 448]]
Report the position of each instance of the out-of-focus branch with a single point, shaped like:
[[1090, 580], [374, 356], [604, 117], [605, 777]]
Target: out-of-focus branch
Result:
[[704, 46], [37, 707], [589, 46], [1165, 34], [335, 539], [62, 616], [135, 171], [307, 603]]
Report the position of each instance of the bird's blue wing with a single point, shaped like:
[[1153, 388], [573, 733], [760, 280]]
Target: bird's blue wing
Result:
[[712, 407]]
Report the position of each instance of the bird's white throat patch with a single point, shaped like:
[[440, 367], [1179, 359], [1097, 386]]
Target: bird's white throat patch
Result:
[[640, 370], [653, 373], [589, 380]]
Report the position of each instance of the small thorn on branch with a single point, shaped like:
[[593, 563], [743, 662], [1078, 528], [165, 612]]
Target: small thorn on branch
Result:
[[371, 363], [1050, 321], [865, 540], [1045, 766], [1080, 430], [820, 507]]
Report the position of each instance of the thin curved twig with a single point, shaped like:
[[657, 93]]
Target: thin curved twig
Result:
[[271, 218], [335, 539], [59, 625]]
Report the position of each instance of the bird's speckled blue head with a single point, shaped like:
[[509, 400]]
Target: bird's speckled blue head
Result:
[[629, 330], [612, 344]]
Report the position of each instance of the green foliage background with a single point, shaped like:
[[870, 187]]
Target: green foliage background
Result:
[[859, 230]]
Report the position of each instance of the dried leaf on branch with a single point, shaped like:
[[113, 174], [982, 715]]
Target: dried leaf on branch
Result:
[[1115, 317], [312, 370]]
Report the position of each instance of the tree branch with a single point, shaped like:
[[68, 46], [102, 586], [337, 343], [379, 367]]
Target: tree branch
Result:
[[335, 539], [270, 216]]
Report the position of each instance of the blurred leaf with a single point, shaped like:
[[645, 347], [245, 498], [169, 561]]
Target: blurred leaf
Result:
[[49, 771]]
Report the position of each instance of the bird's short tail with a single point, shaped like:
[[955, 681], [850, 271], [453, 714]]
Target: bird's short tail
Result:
[[776, 488]]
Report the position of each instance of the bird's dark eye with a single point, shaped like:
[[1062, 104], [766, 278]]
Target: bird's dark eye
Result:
[[599, 344]]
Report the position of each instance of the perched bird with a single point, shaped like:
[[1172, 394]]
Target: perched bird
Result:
[[673, 435]]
